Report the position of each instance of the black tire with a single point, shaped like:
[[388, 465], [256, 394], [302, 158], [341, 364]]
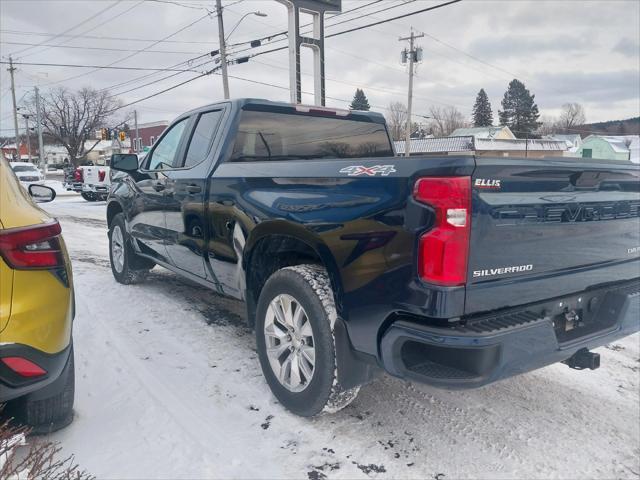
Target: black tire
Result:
[[89, 196], [49, 414], [131, 268], [310, 287]]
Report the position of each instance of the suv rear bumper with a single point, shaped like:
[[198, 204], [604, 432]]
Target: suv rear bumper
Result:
[[501, 345], [13, 385]]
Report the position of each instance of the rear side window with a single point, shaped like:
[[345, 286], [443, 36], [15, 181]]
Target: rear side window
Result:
[[264, 136], [202, 136]]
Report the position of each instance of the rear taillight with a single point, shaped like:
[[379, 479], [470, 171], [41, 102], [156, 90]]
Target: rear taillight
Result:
[[77, 175], [444, 250], [23, 367], [36, 246], [101, 175]]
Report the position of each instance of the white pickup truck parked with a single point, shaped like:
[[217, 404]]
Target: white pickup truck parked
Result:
[[91, 181]]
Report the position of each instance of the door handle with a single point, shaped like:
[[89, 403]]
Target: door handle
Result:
[[194, 188], [158, 186]]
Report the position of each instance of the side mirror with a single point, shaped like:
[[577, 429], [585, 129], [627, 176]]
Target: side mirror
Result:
[[41, 193], [125, 162]]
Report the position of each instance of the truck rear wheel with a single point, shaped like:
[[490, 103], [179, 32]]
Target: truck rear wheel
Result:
[[89, 196], [126, 266], [295, 318]]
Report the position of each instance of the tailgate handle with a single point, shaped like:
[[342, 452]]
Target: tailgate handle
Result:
[[194, 188]]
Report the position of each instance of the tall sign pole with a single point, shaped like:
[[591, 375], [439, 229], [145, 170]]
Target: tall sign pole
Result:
[[413, 57], [15, 108], [317, 9]]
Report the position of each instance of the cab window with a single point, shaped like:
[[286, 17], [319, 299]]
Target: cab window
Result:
[[164, 154]]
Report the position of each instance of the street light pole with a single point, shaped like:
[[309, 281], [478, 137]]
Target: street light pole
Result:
[[26, 120], [223, 43], [223, 50], [43, 162]]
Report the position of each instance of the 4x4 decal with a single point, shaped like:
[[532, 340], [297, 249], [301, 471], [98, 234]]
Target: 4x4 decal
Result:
[[357, 170]]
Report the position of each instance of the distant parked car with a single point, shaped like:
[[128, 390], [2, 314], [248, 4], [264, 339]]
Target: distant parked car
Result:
[[27, 173]]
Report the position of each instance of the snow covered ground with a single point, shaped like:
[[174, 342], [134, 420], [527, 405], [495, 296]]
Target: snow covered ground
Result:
[[169, 386]]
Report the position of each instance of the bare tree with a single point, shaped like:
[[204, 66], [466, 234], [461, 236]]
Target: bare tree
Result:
[[397, 120], [548, 125], [445, 120], [72, 118], [572, 115]]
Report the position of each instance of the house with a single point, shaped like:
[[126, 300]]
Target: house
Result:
[[55, 155], [9, 152], [485, 147], [498, 133], [148, 133], [611, 147], [573, 140], [101, 151]]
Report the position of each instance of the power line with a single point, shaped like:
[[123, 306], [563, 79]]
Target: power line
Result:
[[71, 65], [106, 49], [134, 53], [99, 37], [71, 28], [110, 19]]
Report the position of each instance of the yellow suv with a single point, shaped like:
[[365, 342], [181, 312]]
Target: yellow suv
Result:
[[36, 309]]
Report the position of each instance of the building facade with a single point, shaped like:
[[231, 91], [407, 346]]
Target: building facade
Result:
[[611, 147], [148, 133]]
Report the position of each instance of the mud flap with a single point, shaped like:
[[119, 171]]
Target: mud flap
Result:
[[352, 371]]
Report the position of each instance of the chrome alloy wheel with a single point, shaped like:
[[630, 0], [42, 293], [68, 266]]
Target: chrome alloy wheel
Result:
[[117, 248], [289, 341]]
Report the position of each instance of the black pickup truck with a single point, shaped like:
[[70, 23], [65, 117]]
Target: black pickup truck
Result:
[[450, 270]]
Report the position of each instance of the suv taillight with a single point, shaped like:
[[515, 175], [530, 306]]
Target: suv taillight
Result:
[[77, 175], [444, 250], [35, 246]]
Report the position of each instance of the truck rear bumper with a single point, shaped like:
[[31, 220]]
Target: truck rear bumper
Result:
[[500, 346]]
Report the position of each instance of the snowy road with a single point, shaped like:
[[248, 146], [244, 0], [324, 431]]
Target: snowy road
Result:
[[169, 385]]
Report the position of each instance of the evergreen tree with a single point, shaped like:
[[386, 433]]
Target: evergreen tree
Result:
[[519, 110], [359, 101], [482, 114]]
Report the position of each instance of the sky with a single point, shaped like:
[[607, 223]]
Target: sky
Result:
[[564, 51]]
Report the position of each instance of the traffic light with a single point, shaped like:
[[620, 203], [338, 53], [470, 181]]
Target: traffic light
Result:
[[123, 136], [103, 133]]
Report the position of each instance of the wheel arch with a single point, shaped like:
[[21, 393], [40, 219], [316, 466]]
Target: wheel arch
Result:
[[113, 208], [278, 244]]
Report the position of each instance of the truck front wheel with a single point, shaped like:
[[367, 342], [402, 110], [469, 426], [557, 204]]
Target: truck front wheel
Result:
[[127, 267], [295, 318]]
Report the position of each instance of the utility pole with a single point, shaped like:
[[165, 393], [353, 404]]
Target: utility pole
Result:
[[223, 50], [135, 126], [15, 108], [43, 163], [413, 55], [26, 121]]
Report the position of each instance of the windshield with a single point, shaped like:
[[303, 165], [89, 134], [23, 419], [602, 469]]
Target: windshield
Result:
[[24, 168], [264, 135]]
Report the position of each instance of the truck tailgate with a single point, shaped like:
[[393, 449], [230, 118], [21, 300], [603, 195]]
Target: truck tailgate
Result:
[[546, 228]]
